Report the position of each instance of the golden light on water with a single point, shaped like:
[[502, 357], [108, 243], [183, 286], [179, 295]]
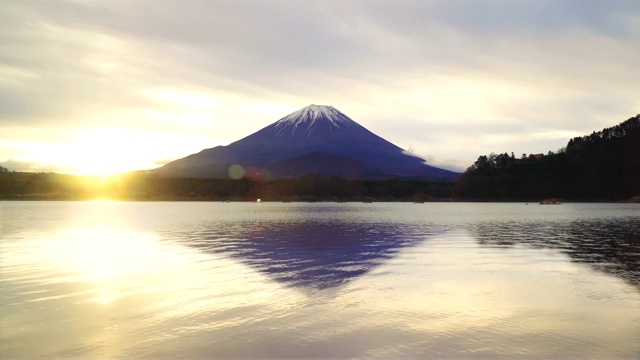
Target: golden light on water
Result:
[[100, 257], [108, 262], [101, 276], [104, 253]]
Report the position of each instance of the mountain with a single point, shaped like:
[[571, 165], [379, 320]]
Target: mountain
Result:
[[316, 139]]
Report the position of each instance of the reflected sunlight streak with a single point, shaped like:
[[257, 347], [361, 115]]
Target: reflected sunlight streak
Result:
[[104, 255], [109, 259]]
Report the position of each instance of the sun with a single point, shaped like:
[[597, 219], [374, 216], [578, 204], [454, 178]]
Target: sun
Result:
[[110, 151], [106, 152], [101, 161], [102, 152], [96, 152]]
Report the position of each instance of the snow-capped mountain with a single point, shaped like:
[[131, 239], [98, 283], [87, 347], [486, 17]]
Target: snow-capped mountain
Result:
[[315, 139], [313, 117]]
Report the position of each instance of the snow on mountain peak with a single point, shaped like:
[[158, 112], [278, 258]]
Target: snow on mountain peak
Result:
[[316, 111], [310, 115]]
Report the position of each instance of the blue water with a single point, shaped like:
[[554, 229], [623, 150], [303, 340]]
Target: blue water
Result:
[[272, 280]]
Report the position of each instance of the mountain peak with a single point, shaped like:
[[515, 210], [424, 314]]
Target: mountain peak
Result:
[[310, 116], [316, 111]]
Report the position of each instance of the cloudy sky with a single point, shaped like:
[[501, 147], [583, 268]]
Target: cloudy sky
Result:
[[103, 86]]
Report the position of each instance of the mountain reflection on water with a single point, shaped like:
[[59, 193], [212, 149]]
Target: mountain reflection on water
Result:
[[610, 245], [317, 254]]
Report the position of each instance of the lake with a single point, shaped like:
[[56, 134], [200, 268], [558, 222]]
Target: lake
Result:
[[297, 280]]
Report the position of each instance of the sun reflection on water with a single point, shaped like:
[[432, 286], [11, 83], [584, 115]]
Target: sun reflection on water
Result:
[[113, 286]]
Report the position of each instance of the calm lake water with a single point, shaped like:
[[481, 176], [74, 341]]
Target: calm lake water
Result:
[[272, 280]]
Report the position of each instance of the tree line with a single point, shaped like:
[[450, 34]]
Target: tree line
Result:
[[603, 166], [144, 187]]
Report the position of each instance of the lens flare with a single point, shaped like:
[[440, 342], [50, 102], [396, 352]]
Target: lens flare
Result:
[[236, 171]]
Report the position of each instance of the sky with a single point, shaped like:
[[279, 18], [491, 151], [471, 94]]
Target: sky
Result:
[[97, 87]]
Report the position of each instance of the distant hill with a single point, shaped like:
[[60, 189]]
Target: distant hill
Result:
[[602, 166], [317, 139]]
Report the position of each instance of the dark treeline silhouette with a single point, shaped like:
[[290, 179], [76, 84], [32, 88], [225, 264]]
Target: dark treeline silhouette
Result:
[[139, 186], [603, 166]]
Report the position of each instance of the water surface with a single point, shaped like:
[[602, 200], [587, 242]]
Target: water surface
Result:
[[241, 280]]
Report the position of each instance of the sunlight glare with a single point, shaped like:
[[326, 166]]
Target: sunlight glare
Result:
[[104, 151]]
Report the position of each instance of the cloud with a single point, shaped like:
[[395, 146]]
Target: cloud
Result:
[[428, 73]]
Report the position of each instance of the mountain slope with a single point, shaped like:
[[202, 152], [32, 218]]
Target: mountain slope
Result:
[[323, 163], [313, 129]]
